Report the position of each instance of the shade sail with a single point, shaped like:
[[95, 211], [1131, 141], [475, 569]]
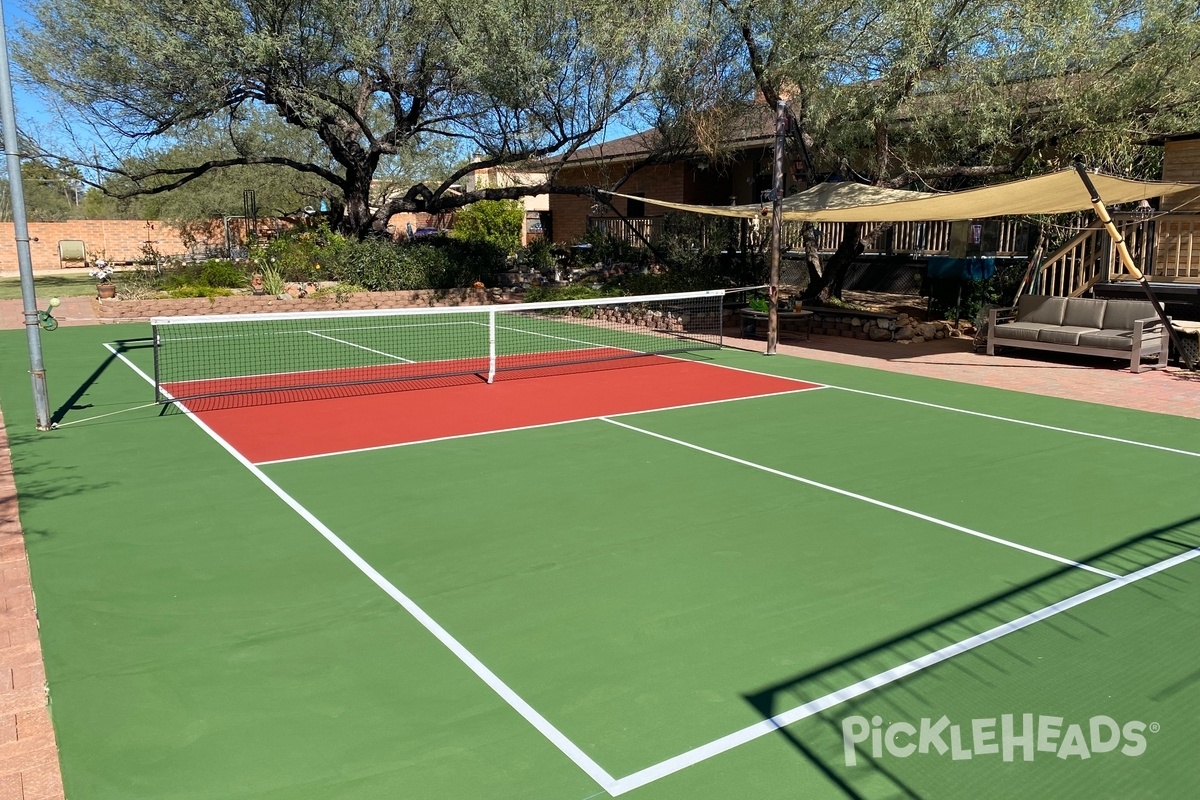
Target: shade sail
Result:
[[1055, 193]]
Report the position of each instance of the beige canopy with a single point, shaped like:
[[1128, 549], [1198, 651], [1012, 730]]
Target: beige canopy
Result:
[[1055, 193]]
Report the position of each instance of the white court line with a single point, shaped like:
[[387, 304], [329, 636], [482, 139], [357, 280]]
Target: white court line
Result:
[[531, 427], [957, 410], [615, 787], [865, 499], [1055, 428], [518, 704], [759, 729], [361, 347]]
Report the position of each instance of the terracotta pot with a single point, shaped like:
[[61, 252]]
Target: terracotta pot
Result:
[[106, 290]]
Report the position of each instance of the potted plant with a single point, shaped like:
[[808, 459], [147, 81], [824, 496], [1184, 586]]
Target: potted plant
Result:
[[102, 271]]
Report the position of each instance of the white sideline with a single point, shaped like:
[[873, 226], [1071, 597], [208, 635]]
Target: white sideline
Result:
[[956, 410], [518, 704], [1015, 421], [792, 715], [616, 787], [865, 499]]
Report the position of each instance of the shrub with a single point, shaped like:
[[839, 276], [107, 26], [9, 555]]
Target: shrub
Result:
[[302, 255], [538, 255], [541, 294], [497, 222], [199, 291], [467, 262], [222, 274], [380, 265]]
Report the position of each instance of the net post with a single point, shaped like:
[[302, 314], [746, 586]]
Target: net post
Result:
[[158, 392], [491, 377]]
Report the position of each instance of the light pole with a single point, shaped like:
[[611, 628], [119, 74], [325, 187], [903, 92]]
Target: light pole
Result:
[[37, 370]]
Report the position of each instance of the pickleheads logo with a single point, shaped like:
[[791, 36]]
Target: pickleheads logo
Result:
[[1008, 736]]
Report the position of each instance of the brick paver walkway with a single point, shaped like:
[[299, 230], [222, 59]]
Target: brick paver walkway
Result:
[[28, 754], [28, 757]]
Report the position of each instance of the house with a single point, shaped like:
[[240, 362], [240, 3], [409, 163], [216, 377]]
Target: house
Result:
[[537, 207], [741, 175]]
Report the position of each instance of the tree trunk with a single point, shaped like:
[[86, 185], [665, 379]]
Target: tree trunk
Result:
[[828, 283]]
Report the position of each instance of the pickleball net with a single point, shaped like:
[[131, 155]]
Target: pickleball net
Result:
[[236, 354]]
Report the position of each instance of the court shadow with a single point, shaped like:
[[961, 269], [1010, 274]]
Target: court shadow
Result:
[[870, 778], [122, 346], [301, 394]]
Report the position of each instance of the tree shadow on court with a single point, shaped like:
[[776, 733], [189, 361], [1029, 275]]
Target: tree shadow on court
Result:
[[43, 480], [871, 778], [72, 403]]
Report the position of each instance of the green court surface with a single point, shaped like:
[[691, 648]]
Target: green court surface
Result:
[[703, 602]]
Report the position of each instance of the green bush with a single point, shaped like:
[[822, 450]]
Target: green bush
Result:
[[497, 222], [381, 265], [540, 294], [199, 291], [222, 274], [468, 262], [538, 255], [302, 255]]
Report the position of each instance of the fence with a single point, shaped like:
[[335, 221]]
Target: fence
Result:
[[931, 238]]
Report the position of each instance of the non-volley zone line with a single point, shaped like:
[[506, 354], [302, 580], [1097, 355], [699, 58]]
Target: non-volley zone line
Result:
[[865, 499], [572, 421], [615, 787], [359, 422]]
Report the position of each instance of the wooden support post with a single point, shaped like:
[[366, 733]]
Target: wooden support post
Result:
[[1127, 262], [776, 229]]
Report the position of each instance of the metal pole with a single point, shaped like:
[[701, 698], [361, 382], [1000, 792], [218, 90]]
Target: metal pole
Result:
[[41, 398], [776, 228], [1127, 262]]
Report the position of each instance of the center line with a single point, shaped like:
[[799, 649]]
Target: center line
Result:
[[361, 347], [865, 499]]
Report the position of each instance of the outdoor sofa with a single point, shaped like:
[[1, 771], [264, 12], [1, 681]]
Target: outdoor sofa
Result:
[[1125, 329]]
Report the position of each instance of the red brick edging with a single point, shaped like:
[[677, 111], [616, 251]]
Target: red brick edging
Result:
[[29, 768]]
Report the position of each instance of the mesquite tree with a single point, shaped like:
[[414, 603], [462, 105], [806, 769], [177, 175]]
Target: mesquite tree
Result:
[[505, 81]]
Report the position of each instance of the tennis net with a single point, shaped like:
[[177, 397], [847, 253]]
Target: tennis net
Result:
[[209, 356]]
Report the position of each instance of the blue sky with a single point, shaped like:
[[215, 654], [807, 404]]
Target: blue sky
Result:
[[31, 112]]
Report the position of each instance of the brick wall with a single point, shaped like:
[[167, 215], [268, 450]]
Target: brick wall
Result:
[[249, 304], [116, 239]]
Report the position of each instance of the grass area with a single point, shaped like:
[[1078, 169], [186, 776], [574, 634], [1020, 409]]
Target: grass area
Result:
[[50, 286]]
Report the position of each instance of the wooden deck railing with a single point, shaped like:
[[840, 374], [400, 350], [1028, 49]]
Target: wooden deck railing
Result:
[[1165, 249], [901, 238]]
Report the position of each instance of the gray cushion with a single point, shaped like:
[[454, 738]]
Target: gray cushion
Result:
[[1084, 313], [1023, 331], [1109, 339], [1063, 334], [1120, 314], [1041, 309]]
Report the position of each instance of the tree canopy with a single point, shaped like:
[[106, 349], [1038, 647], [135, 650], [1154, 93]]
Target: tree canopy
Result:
[[360, 83], [329, 97]]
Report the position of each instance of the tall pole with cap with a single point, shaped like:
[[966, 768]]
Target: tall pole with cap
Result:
[[776, 228], [41, 398]]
